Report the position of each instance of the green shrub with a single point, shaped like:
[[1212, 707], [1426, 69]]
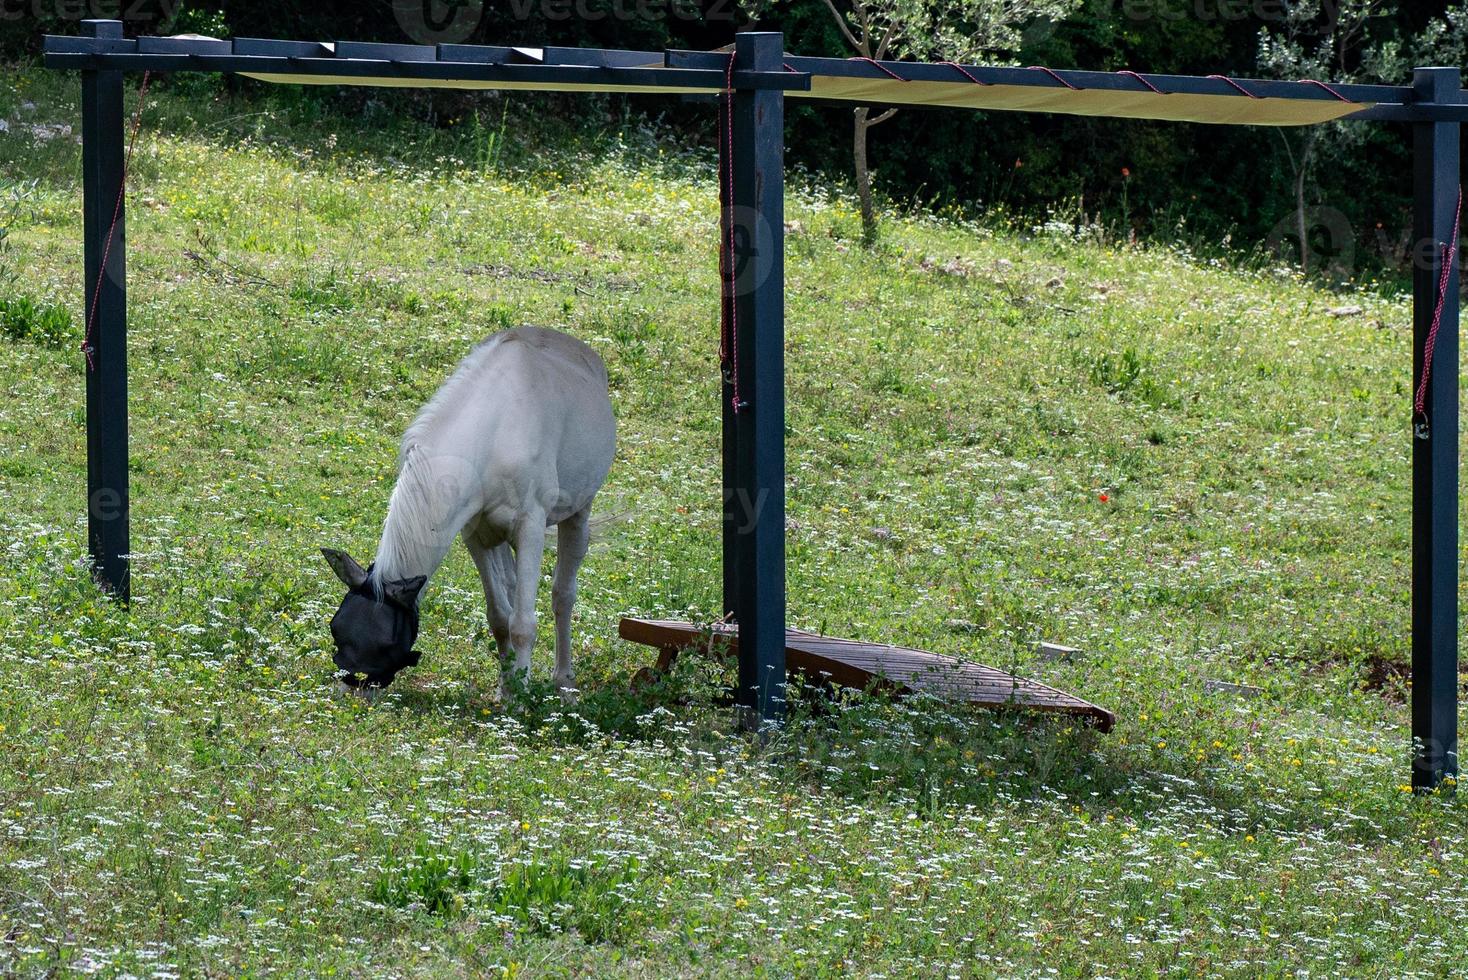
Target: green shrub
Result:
[[558, 893], [616, 710], [1127, 372], [22, 318], [438, 882], [550, 894]]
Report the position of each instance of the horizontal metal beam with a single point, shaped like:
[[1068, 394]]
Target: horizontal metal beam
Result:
[[611, 57], [675, 69], [270, 47], [377, 51], [1417, 112], [183, 45], [922, 71], [591, 75], [1391, 102], [371, 50]]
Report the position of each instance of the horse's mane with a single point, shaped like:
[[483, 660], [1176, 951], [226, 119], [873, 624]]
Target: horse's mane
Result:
[[409, 537]]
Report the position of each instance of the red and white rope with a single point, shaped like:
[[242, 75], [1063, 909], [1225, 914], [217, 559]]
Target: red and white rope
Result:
[[127, 163], [1450, 256]]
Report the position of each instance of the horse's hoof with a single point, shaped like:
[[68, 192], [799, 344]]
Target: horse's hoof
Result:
[[364, 692]]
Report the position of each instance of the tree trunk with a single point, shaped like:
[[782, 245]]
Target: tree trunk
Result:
[[1302, 172], [1301, 229], [862, 118]]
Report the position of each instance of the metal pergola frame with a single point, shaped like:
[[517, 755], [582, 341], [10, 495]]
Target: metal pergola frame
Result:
[[756, 78]]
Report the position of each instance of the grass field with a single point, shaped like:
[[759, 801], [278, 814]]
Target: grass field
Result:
[[996, 436]]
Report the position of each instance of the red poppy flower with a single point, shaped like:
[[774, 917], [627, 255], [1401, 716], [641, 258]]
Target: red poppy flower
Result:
[[1126, 171], [1103, 498]]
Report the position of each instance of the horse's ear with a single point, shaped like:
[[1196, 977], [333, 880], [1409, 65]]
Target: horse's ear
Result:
[[405, 591], [346, 567]]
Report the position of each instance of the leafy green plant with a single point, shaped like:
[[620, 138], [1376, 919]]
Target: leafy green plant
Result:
[[22, 318], [1125, 372], [639, 711], [488, 143], [556, 893], [542, 894], [13, 197], [437, 882], [926, 30]]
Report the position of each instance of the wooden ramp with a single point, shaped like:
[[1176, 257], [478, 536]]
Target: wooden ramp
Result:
[[851, 663]]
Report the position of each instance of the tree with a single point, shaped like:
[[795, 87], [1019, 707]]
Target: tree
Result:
[[1346, 41], [1445, 39], [927, 30]]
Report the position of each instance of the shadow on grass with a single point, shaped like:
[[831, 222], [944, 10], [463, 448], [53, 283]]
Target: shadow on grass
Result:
[[869, 746], [529, 134], [931, 754], [683, 703], [936, 757], [927, 756]]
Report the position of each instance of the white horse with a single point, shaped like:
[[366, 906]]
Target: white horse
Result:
[[519, 438]]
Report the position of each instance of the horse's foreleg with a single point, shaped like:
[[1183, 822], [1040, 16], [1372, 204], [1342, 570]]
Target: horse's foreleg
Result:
[[497, 575], [572, 537], [529, 551]]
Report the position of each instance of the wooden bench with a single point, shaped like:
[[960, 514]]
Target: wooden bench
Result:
[[854, 664]]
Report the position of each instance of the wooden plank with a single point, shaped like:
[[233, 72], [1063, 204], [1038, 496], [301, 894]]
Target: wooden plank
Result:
[[852, 663]]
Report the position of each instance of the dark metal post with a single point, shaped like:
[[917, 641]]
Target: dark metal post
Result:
[[102, 176], [755, 463], [1435, 450], [730, 435]]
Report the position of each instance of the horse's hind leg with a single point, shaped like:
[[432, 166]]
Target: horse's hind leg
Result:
[[572, 537]]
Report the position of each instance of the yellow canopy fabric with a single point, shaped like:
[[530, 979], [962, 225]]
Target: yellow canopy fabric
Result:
[[1176, 106], [1127, 103]]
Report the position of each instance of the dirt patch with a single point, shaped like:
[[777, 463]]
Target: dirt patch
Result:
[[1392, 679], [581, 281]]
